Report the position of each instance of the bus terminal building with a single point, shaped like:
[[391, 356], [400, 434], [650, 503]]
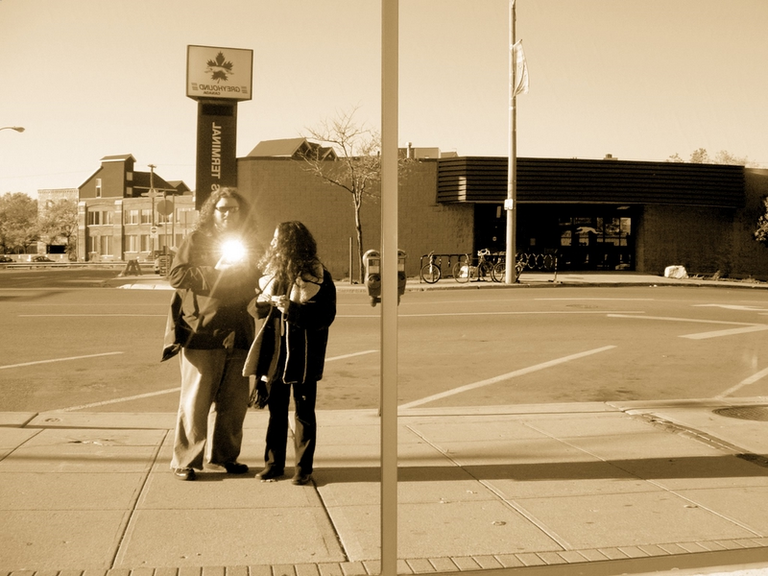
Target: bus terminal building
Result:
[[607, 214]]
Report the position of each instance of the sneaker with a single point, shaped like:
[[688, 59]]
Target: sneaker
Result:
[[184, 473], [270, 474], [235, 468], [300, 479]]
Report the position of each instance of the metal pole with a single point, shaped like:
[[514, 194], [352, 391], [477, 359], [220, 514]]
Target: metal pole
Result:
[[173, 222], [152, 195], [511, 203], [389, 260]]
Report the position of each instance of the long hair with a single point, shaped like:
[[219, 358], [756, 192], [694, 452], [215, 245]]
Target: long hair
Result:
[[205, 222], [293, 255]]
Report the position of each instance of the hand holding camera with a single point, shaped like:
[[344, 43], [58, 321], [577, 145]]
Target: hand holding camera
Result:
[[232, 254]]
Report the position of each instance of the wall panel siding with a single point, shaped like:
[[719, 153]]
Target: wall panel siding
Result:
[[475, 179]]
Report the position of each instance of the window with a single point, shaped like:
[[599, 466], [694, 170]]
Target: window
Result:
[[101, 245], [132, 243], [132, 216], [146, 216], [98, 187], [99, 217]]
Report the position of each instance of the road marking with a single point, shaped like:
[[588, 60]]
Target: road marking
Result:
[[58, 360], [747, 327], [534, 312], [746, 382], [178, 388], [93, 315], [733, 307], [342, 357], [507, 376], [598, 299], [530, 313], [117, 400]]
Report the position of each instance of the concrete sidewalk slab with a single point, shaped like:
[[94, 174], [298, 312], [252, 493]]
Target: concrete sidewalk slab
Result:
[[572, 488]]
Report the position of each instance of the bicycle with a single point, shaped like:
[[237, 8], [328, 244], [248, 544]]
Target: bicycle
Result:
[[499, 271], [431, 272], [463, 271]]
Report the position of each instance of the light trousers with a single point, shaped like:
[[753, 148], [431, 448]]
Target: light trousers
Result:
[[212, 407]]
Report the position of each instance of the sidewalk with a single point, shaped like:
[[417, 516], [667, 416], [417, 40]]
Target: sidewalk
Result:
[[587, 488]]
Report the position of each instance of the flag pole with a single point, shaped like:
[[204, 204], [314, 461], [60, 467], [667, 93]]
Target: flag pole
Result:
[[510, 205]]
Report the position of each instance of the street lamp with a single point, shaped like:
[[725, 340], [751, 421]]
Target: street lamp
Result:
[[17, 128]]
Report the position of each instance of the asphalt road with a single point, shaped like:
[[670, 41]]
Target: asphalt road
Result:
[[70, 344]]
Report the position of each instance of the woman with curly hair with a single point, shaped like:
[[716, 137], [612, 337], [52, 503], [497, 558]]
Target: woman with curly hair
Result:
[[296, 304], [215, 278]]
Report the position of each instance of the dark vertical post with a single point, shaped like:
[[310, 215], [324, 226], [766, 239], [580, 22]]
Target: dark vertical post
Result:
[[216, 148]]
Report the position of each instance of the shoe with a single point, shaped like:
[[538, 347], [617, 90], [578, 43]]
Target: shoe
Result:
[[270, 474], [301, 479], [235, 468], [184, 473]]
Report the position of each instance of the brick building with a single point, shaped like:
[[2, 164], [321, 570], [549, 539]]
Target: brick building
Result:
[[120, 220], [595, 214]]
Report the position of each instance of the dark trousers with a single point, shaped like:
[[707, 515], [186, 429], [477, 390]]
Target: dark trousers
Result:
[[305, 434]]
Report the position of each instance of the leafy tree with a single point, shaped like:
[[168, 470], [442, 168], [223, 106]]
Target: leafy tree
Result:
[[356, 168], [725, 157], [18, 221], [59, 220], [701, 156], [761, 234]]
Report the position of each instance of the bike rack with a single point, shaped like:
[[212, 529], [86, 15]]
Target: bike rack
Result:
[[533, 261]]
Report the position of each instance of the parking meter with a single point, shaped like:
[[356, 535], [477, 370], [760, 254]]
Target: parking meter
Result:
[[372, 264], [400, 274]]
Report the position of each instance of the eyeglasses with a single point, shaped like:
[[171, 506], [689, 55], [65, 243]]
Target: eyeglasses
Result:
[[228, 208]]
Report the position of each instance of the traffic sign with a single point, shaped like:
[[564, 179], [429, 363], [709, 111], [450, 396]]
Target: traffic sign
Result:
[[164, 207]]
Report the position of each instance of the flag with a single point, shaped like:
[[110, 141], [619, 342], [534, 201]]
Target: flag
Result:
[[521, 69]]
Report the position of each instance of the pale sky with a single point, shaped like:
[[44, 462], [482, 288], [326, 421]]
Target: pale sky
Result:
[[638, 79]]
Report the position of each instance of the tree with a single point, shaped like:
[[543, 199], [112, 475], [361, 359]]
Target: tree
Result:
[[761, 234], [701, 156], [59, 220], [18, 221], [356, 168]]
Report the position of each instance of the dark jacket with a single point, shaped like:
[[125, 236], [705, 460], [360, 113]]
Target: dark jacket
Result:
[[301, 334], [211, 305]]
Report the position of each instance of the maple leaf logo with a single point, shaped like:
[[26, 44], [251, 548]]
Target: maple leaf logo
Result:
[[220, 68]]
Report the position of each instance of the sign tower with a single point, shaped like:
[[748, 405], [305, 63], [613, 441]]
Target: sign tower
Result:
[[218, 78]]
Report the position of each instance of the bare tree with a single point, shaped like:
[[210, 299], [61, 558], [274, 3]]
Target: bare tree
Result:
[[355, 166]]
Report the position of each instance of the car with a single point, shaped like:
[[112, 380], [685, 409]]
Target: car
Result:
[[41, 258], [5, 259]]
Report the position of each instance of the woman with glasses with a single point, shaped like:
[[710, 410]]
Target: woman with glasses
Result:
[[215, 278]]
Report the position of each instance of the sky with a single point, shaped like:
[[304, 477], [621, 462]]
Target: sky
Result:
[[638, 79]]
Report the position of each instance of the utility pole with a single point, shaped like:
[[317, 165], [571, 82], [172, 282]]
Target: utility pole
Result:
[[511, 201], [152, 194]]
